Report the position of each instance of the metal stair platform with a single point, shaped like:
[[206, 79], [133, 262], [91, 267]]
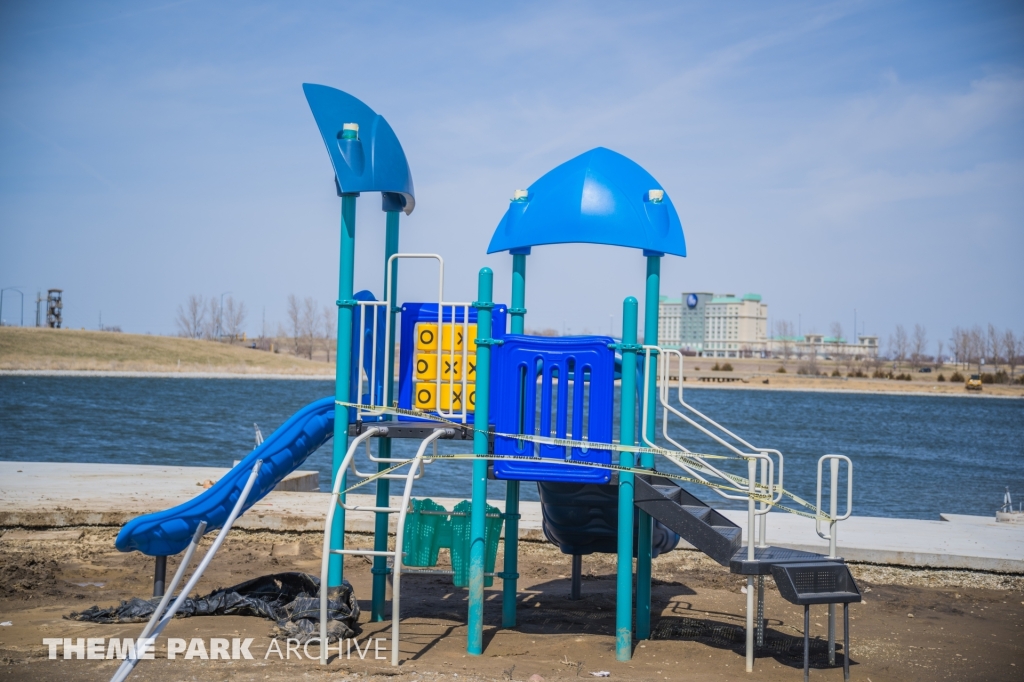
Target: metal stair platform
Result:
[[766, 557], [708, 530]]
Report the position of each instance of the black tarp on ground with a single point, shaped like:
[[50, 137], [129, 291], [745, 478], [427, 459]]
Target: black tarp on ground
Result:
[[291, 600]]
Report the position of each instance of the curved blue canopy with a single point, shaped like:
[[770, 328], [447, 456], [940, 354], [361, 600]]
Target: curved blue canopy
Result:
[[599, 197], [375, 161]]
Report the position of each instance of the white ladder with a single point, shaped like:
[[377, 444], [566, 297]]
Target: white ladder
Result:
[[415, 472]]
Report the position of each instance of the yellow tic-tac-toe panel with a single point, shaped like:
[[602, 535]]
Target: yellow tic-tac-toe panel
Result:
[[426, 366], [451, 366], [426, 336], [451, 336], [451, 397], [423, 398]]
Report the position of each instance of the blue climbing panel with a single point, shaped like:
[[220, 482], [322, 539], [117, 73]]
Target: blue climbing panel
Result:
[[562, 387]]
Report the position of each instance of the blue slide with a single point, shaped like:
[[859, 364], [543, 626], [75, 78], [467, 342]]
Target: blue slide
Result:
[[168, 532]]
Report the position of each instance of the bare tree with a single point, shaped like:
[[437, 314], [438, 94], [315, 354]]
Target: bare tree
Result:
[[975, 345], [784, 338], [958, 341], [1013, 347], [191, 318], [994, 345], [898, 345], [918, 345], [212, 323], [329, 328], [940, 349], [835, 330], [295, 321], [305, 324], [234, 318]]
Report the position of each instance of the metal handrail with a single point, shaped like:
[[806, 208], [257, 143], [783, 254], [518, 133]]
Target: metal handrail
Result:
[[834, 499], [146, 642], [664, 390], [756, 454], [392, 461]]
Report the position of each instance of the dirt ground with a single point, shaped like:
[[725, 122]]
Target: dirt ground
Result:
[[913, 625]]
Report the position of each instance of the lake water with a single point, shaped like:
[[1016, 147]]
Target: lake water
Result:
[[914, 456]]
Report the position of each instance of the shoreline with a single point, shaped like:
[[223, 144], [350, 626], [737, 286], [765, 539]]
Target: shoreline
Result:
[[135, 374], [903, 390]]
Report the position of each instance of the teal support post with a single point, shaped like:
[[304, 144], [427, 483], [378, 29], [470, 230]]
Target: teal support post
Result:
[[509, 598], [517, 312], [481, 417], [343, 371], [380, 529], [646, 529], [627, 436]]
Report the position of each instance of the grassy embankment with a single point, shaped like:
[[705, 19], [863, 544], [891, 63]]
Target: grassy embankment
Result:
[[74, 350], [28, 348]]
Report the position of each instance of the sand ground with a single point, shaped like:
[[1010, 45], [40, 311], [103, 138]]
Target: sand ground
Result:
[[913, 625]]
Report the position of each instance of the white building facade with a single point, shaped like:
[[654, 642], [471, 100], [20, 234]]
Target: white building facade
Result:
[[714, 326]]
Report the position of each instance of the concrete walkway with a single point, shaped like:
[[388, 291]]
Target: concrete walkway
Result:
[[54, 495]]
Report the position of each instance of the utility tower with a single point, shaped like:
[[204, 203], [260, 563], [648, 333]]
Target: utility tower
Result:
[[54, 308]]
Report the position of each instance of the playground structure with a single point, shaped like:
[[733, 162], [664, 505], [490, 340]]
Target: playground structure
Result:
[[535, 409]]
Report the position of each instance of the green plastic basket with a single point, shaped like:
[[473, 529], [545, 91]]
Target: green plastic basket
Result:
[[460, 542], [424, 533]]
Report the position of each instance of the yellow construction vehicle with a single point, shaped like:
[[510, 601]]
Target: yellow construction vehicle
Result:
[[973, 383]]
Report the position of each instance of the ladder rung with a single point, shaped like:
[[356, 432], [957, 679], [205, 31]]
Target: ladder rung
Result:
[[363, 552], [359, 507]]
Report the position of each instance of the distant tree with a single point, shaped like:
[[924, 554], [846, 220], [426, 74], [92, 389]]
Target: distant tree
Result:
[[329, 328], [898, 345], [918, 345], [784, 339], [1013, 347], [214, 319], [234, 318], [958, 342], [994, 345], [975, 345], [191, 319], [305, 324], [940, 349], [835, 330]]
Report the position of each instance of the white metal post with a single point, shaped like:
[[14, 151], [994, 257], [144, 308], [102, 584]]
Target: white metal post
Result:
[[832, 512], [751, 490]]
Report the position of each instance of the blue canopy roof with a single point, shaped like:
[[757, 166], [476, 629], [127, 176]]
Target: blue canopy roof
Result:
[[599, 197], [373, 162]]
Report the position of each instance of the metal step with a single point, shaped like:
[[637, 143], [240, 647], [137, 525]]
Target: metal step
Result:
[[694, 521], [817, 582]]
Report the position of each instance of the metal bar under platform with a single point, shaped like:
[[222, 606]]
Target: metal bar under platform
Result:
[[419, 430]]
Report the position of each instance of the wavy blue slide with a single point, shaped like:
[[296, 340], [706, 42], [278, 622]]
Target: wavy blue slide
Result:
[[168, 532]]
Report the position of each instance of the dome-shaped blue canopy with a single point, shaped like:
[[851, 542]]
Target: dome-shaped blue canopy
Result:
[[599, 197], [372, 162]]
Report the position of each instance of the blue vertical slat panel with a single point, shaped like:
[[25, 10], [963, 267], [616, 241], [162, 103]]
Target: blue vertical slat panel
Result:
[[518, 364]]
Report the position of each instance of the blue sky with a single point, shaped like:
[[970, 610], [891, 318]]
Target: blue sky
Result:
[[830, 156]]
